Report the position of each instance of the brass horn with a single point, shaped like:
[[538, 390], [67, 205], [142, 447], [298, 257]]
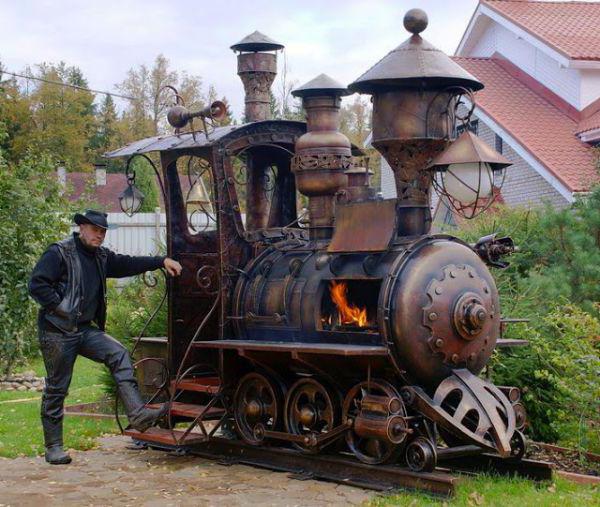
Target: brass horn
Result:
[[178, 116]]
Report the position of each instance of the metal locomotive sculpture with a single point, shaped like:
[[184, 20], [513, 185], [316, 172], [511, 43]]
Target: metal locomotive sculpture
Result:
[[353, 330]]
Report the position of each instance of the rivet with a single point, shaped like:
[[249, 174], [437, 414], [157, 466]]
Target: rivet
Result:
[[438, 290], [471, 274], [439, 343], [486, 290], [455, 358], [433, 316], [472, 356], [452, 274]]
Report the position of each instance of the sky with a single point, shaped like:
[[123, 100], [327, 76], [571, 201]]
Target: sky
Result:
[[106, 38]]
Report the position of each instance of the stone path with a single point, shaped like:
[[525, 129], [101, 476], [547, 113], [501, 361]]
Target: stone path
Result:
[[115, 475]]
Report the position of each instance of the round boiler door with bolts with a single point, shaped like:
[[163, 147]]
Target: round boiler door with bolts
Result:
[[462, 316]]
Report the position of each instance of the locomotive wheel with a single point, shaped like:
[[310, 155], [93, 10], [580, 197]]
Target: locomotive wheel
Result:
[[310, 410], [256, 407], [421, 455], [518, 445], [369, 450]]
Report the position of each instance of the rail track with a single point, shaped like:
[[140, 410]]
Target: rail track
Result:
[[441, 482]]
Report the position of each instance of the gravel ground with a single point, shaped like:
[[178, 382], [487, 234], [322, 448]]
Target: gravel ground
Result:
[[116, 475]]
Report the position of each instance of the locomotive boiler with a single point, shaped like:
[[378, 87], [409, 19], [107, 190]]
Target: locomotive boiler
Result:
[[348, 328]]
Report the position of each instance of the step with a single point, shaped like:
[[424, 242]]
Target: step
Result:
[[165, 436], [191, 410], [210, 385]]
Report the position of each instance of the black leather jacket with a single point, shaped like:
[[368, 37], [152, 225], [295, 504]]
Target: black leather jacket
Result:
[[56, 283]]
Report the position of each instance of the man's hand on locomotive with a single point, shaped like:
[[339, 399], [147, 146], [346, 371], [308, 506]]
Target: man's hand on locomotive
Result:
[[172, 266], [69, 284]]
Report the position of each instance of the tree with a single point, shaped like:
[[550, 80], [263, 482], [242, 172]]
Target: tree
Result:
[[145, 180], [33, 214], [107, 136], [146, 116], [16, 115], [63, 117]]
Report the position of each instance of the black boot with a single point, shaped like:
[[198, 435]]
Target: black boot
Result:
[[55, 455], [140, 417]]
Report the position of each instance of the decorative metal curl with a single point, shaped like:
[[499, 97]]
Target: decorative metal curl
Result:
[[205, 278], [130, 172], [151, 281], [451, 113], [198, 180]]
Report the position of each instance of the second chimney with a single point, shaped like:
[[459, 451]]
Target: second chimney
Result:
[[257, 68]]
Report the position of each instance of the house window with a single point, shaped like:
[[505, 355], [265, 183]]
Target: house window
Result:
[[473, 126], [499, 146]]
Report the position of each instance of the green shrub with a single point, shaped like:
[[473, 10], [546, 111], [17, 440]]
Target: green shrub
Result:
[[33, 215], [559, 373]]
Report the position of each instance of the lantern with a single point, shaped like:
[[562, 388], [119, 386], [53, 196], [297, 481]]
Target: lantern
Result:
[[466, 174]]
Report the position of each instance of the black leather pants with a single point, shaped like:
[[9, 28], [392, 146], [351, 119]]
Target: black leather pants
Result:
[[60, 351]]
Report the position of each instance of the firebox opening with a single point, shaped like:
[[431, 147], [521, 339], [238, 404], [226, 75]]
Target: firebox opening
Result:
[[350, 306]]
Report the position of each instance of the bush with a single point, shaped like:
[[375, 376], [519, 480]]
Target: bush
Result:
[[555, 281], [32, 216], [560, 375]]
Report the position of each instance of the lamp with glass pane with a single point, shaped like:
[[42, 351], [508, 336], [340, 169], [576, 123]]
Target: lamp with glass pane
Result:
[[467, 174], [131, 198]]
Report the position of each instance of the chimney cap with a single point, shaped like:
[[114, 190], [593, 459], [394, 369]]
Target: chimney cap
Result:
[[321, 85], [256, 41], [415, 63]]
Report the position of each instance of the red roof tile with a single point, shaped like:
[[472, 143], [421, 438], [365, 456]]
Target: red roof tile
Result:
[[541, 128], [571, 28], [104, 195]]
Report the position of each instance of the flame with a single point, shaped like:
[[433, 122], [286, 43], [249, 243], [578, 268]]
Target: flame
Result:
[[348, 314]]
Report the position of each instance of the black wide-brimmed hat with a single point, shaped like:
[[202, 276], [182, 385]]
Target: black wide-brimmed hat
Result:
[[93, 217]]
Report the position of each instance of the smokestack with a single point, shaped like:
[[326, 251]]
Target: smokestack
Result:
[[257, 68], [100, 172], [323, 153]]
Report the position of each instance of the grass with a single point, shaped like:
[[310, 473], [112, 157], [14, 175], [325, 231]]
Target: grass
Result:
[[505, 492], [20, 426]]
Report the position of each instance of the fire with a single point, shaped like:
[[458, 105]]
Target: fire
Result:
[[349, 314]]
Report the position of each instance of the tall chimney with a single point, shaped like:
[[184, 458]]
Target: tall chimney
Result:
[[257, 68], [100, 172]]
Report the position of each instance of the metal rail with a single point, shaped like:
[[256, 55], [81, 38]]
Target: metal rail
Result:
[[346, 470]]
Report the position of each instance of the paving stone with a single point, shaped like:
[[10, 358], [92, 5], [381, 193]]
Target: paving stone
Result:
[[115, 475]]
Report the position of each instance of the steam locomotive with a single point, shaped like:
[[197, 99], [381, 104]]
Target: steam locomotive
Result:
[[348, 329]]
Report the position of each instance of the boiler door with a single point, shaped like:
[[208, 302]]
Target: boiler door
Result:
[[444, 311]]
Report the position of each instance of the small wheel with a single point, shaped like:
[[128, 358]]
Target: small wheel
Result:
[[369, 450], [518, 445], [520, 415], [421, 455], [256, 407], [310, 410]]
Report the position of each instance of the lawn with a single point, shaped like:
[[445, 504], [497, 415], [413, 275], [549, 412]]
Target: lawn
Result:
[[20, 427], [496, 491]]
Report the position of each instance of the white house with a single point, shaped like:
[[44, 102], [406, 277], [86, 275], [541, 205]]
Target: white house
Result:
[[540, 64]]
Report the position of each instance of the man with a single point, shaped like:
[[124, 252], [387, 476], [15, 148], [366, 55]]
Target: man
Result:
[[69, 283]]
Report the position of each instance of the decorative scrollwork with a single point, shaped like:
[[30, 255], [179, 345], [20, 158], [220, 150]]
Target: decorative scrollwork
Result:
[[206, 278], [326, 161]]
